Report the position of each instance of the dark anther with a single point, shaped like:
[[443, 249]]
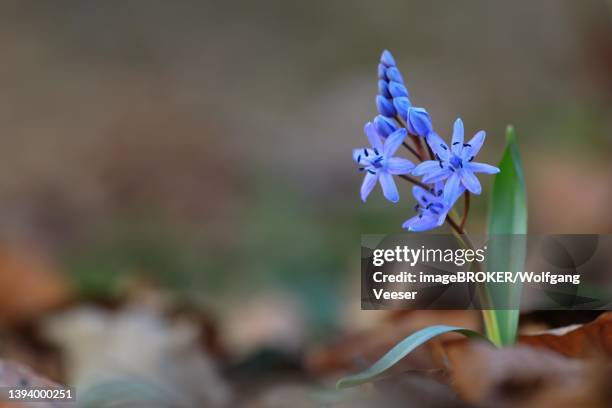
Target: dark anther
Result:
[[461, 164], [376, 151], [371, 172], [434, 211], [365, 151], [361, 169], [471, 158], [416, 207], [444, 147], [359, 159], [451, 167], [424, 199], [437, 157], [439, 192], [467, 145], [441, 166], [455, 143]]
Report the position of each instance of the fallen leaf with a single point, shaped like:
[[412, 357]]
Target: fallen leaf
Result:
[[590, 340], [525, 377], [29, 285], [136, 353]]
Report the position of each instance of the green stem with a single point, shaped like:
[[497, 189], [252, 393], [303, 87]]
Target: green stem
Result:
[[488, 315]]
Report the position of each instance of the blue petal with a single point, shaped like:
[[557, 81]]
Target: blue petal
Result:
[[357, 155], [419, 224], [438, 146], [419, 122], [402, 104], [442, 217], [397, 90], [387, 59], [385, 106], [397, 165], [470, 182], [369, 181], [437, 175], [393, 141], [383, 89], [388, 187], [393, 74], [450, 203], [423, 196], [475, 144], [373, 136], [457, 141], [452, 189], [482, 168], [384, 125], [426, 167]]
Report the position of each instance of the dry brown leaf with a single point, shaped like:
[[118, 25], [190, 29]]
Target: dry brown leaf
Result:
[[29, 285], [525, 377], [589, 340], [137, 344]]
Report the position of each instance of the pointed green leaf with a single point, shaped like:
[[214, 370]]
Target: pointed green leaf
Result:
[[508, 208], [401, 350], [507, 216]]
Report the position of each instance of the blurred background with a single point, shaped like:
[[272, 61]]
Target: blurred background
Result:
[[176, 184]]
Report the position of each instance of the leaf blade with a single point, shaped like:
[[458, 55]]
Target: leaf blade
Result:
[[508, 216], [402, 349], [508, 208]]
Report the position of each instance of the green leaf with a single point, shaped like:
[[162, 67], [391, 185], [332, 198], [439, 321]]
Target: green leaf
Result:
[[401, 350], [508, 208], [507, 216]]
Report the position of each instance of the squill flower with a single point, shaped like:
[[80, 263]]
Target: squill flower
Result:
[[455, 164], [431, 209], [379, 164]]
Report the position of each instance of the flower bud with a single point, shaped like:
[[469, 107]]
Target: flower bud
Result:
[[419, 122], [402, 104], [387, 59], [385, 126], [397, 90], [383, 89], [385, 106], [394, 75]]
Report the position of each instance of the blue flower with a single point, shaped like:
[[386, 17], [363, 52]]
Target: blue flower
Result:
[[379, 165], [455, 164], [393, 98], [431, 209]]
